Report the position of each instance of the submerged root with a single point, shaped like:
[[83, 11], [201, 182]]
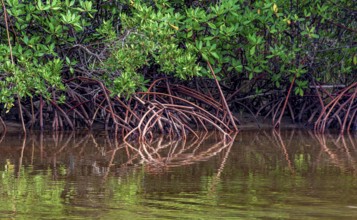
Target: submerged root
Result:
[[165, 108], [4, 128], [340, 110], [178, 110], [321, 108]]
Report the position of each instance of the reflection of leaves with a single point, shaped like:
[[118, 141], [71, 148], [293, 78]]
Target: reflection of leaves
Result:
[[28, 189], [50, 185], [99, 157]]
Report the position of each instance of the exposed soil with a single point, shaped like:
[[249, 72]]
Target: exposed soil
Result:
[[247, 122]]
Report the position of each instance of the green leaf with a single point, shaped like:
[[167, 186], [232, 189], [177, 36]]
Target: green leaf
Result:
[[314, 36], [211, 25], [251, 75], [217, 70], [215, 55], [39, 4], [189, 34], [199, 45], [252, 51]]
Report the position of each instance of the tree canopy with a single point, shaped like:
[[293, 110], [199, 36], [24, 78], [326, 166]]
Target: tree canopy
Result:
[[256, 48]]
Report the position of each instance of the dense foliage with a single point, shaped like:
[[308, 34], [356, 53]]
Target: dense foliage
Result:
[[254, 47]]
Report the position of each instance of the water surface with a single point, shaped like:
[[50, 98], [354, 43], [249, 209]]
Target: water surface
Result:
[[291, 174]]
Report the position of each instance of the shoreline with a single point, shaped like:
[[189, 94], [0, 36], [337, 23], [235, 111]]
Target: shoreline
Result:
[[244, 125]]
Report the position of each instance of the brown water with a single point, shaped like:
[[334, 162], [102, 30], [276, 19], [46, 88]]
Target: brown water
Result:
[[261, 175]]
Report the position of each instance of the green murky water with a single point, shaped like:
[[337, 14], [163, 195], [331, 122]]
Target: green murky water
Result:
[[262, 175]]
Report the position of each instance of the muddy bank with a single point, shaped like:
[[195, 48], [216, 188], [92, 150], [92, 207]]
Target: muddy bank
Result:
[[11, 127], [245, 123]]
